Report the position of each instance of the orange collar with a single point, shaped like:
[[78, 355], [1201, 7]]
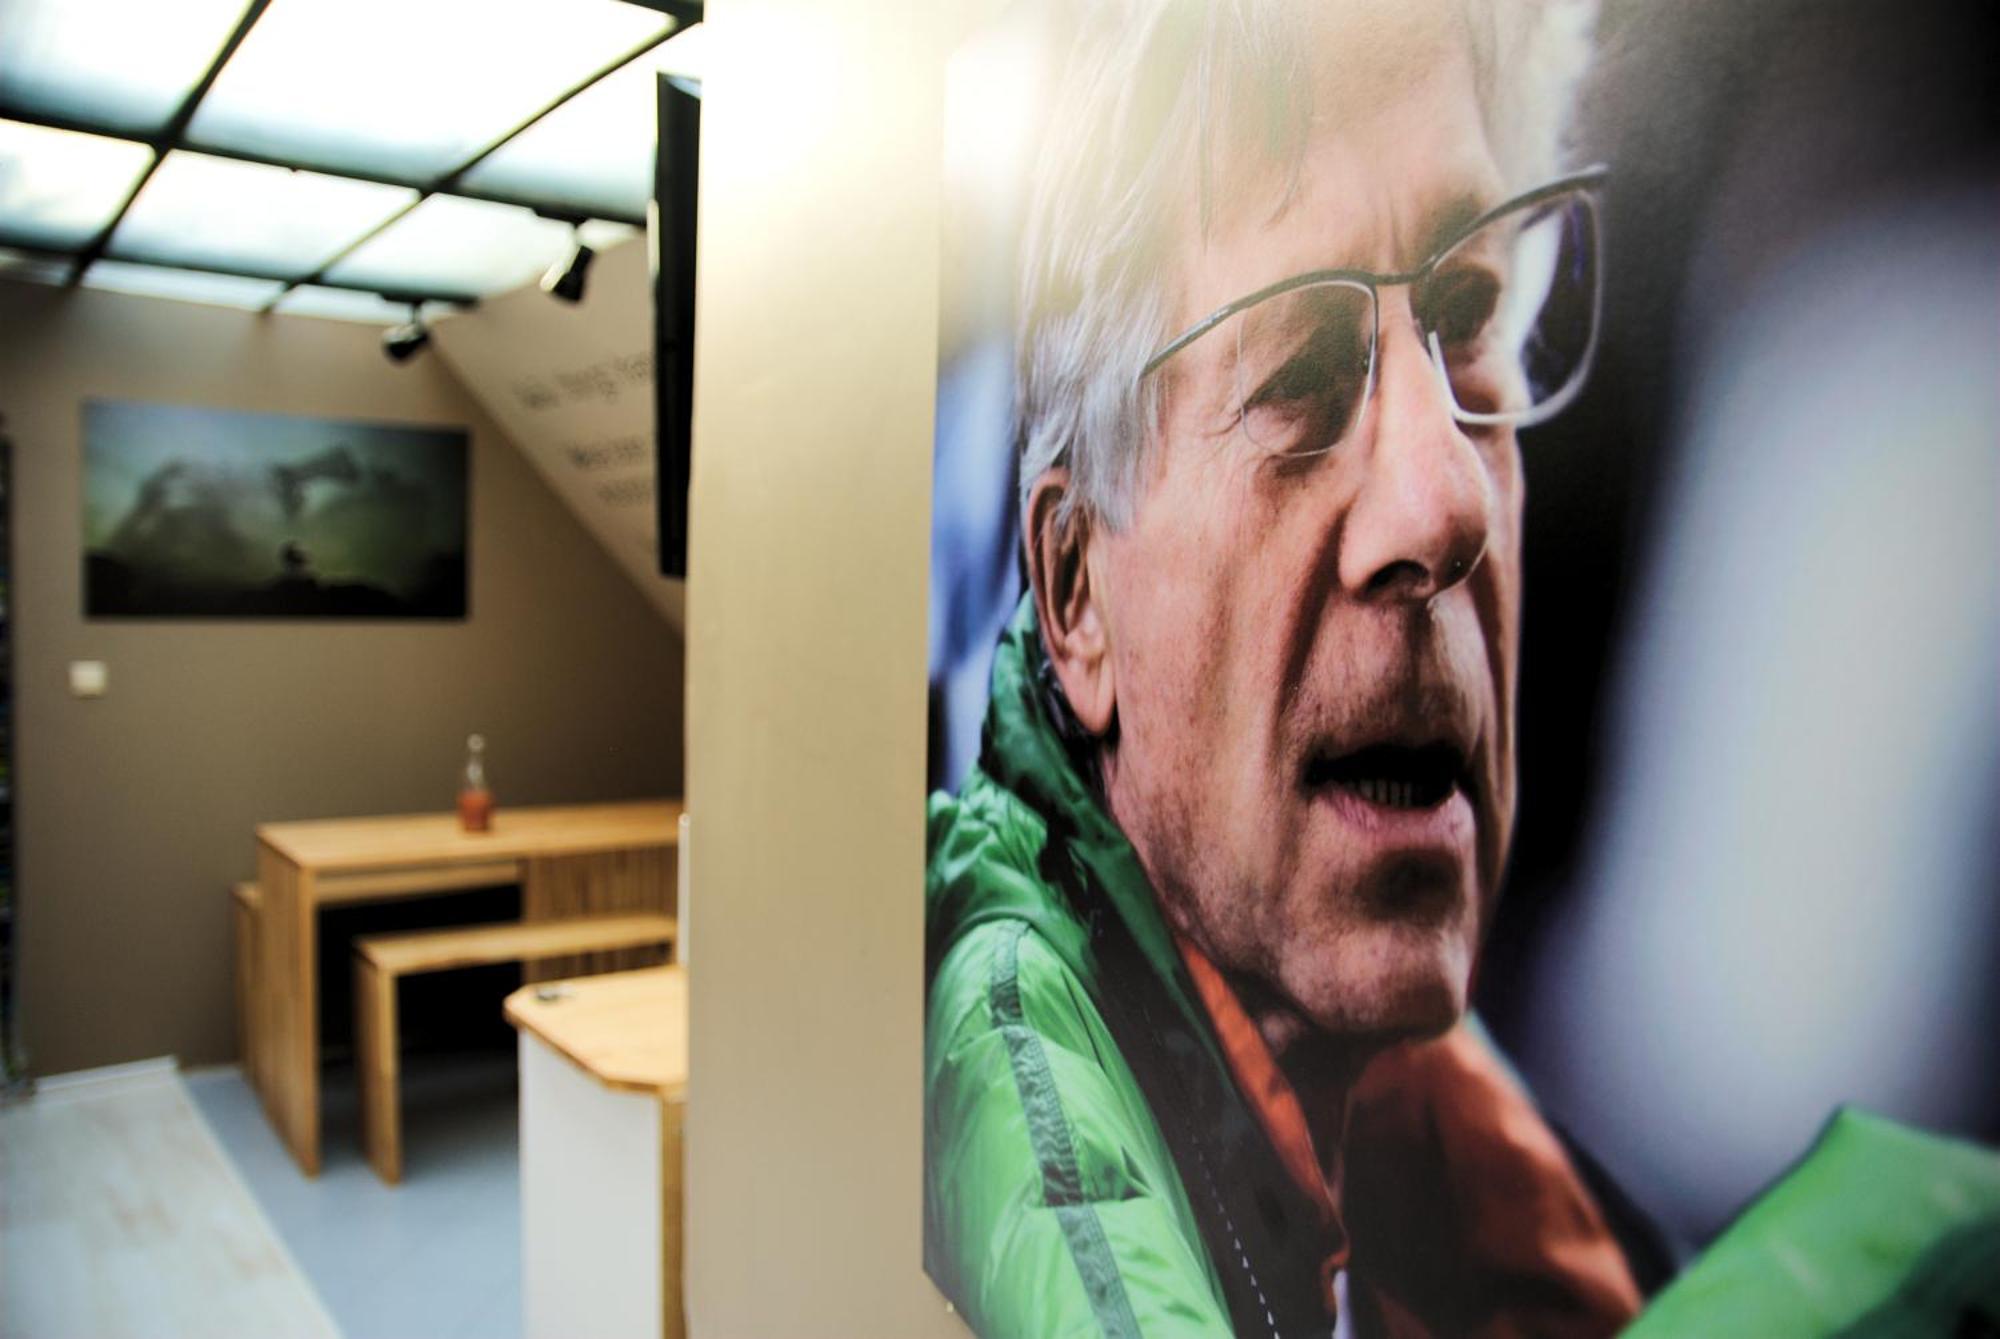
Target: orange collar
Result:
[[1271, 1096]]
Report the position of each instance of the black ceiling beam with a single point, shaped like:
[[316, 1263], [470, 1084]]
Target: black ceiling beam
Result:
[[448, 184], [685, 12], [402, 296], [449, 181], [14, 112], [170, 135]]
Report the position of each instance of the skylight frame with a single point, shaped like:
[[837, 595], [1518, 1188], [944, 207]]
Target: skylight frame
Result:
[[556, 209], [684, 13], [413, 88]]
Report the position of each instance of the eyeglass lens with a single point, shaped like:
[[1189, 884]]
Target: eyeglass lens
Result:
[[1506, 313]]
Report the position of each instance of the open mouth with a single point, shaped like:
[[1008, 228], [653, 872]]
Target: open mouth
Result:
[[1394, 776]]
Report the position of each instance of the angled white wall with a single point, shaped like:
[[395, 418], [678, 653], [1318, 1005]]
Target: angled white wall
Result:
[[572, 385]]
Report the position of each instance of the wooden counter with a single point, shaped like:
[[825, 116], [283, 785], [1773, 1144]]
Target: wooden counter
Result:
[[627, 1030], [603, 1089], [336, 845]]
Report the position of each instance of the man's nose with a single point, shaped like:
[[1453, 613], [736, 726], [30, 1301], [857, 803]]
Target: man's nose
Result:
[[1419, 524]]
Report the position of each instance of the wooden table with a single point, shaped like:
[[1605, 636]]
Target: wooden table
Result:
[[603, 1092], [566, 859]]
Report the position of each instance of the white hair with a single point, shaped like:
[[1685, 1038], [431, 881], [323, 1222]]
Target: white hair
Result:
[[1151, 87]]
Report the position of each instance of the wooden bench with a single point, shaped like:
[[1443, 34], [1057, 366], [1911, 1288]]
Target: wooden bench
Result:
[[380, 961]]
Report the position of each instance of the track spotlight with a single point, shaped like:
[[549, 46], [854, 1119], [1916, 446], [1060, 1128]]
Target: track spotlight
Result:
[[402, 343], [565, 277]]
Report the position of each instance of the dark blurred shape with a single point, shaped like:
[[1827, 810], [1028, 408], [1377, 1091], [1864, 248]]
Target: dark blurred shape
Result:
[[1732, 129], [565, 278], [405, 341], [336, 463], [676, 188], [1755, 873]]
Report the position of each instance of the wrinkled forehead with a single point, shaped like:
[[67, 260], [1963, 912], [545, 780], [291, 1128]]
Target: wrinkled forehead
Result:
[[1364, 52], [1364, 146]]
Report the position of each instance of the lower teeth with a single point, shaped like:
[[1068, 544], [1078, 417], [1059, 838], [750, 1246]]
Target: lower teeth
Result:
[[1389, 794]]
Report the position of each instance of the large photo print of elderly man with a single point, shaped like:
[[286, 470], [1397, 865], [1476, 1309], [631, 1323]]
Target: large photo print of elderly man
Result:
[[1252, 311]]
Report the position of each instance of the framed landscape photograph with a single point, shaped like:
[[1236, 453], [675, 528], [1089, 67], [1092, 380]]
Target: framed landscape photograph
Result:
[[191, 512]]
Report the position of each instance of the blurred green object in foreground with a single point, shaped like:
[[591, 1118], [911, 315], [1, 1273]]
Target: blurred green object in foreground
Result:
[[1880, 1232]]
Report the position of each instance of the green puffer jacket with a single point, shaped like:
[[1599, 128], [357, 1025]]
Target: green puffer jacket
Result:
[[1052, 1206]]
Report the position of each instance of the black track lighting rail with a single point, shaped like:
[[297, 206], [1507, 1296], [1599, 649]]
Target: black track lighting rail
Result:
[[684, 12]]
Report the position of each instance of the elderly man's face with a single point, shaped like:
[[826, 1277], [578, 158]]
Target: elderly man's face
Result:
[[1313, 657]]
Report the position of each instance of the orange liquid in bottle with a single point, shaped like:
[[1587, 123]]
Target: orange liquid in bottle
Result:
[[475, 810]]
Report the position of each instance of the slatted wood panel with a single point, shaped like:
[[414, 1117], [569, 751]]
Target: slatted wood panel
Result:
[[556, 887], [386, 885]]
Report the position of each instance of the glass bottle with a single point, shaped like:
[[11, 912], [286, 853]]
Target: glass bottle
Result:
[[475, 801]]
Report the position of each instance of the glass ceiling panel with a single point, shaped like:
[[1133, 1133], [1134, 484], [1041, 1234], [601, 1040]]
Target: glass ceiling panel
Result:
[[450, 245], [59, 189], [407, 88], [199, 210], [158, 281], [124, 64], [595, 152]]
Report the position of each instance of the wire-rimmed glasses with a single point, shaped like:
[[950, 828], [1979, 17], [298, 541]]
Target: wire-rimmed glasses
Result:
[[1507, 311]]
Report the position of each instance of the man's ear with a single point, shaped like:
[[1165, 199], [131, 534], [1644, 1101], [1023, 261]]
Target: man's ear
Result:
[[1069, 602]]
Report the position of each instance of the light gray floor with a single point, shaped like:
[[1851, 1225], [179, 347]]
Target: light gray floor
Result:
[[438, 1256], [121, 1218]]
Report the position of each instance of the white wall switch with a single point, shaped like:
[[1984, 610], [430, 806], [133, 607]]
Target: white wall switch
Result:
[[88, 678]]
